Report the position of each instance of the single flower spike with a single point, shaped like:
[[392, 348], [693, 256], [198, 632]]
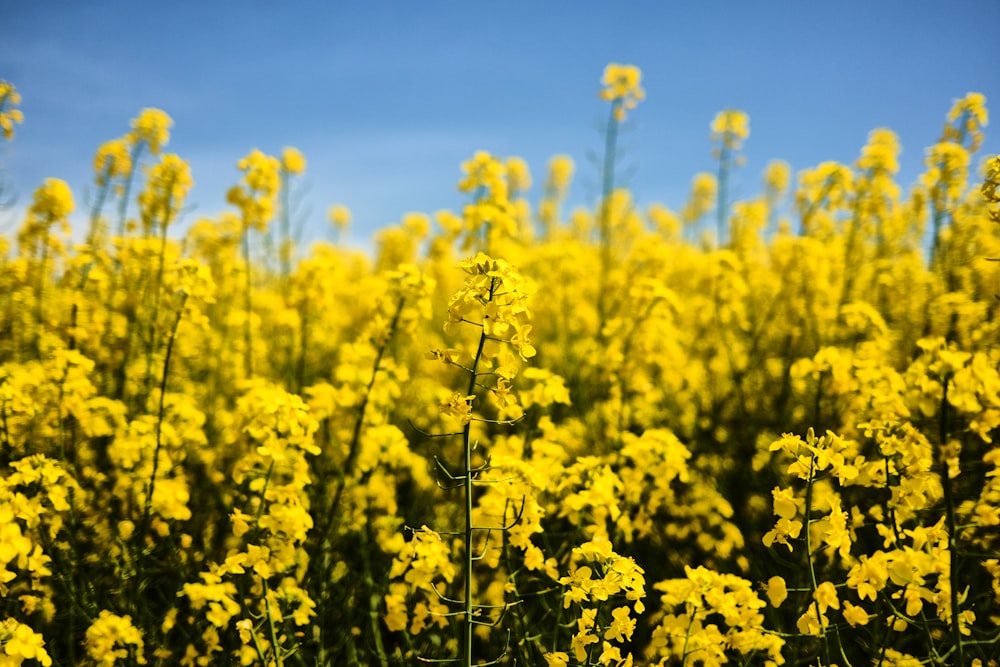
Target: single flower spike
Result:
[[340, 216], [9, 98], [293, 161], [730, 127], [621, 88], [152, 127]]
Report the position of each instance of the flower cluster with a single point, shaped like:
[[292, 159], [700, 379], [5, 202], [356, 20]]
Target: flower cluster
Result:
[[711, 618], [9, 98], [622, 89], [605, 589], [256, 197], [213, 444]]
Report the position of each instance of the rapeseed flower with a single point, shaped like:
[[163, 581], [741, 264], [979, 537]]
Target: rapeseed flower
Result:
[[9, 115], [622, 88], [152, 129], [20, 643], [293, 161], [113, 160], [111, 638], [730, 128]]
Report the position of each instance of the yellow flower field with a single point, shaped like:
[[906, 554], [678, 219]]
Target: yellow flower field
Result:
[[747, 432]]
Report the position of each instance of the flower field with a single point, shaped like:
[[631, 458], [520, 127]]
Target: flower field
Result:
[[747, 432]]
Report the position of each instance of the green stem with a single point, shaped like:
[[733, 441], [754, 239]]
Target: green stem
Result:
[[722, 198], [247, 305], [849, 249], [127, 187], [323, 560], [161, 261], [373, 598], [40, 299], [812, 570], [469, 496], [604, 223], [275, 647], [147, 512], [95, 213], [285, 244], [687, 639], [949, 501], [359, 422]]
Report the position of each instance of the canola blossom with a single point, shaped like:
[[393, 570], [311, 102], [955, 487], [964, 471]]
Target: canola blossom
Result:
[[512, 433]]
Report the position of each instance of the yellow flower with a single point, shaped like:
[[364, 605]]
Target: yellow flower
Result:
[[811, 624], [826, 596], [395, 605], [52, 204], [417, 224], [776, 591], [20, 643], [622, 625], [612, 655], [786, 505], [151, 127], [966, 119], [704, 189], [293, 161], [560, 173], [340, 216], [111, 637], [621, 88], [855, 615], [53, 200], [256, 197], [113, 160], [9, 98], [947, 172], [580, 642], [777, 176], [245, 628], [459, 406], [518, 174], [557, 659], [989, 188], [730, 127], [880, 153], [166, 187], [869, 576], [484, 171]]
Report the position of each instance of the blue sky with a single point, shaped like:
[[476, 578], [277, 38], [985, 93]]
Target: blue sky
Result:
[[386, 99]]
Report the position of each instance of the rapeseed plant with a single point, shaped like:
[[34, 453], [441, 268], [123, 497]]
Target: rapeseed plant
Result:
[[216, 448], [9, 115]]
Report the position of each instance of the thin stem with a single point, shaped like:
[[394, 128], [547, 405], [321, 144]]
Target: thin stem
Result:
[[469, 496], [812, 571], [373, 598], [127, 187], [285, 243], [949, 501], [91, 244], [687, 638], [329, 517], [40, 299], [355, 445], [722, 198], [161, 261], [275, 646], [604, 224], [248, 305], [160, 414]]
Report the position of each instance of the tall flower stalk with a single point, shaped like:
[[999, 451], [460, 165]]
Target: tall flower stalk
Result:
[[255, 198], [622, 90], [729, 129]]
